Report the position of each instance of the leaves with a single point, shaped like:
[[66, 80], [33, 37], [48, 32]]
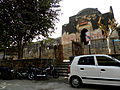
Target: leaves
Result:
[[22, 20]]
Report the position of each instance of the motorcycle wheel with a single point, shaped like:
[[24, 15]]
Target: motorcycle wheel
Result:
[[31, 76], [18, 77]]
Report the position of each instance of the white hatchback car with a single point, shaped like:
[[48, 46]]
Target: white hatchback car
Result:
[[94, 69]]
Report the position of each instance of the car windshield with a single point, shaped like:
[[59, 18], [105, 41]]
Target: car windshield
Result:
[[114, 58]]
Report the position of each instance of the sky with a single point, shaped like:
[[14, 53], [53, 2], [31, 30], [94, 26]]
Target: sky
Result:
[[72, 7]]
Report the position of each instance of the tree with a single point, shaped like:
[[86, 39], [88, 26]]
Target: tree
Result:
[[112, 27], [22, 20], [4, 43]]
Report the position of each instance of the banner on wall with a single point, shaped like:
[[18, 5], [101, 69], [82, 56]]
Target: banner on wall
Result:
[[88, 38]]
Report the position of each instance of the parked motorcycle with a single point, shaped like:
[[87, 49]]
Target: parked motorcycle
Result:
[[35, 73], [40, 73], [32, 73], [28, 73], [50, 71], [22, 73], [44, 73]]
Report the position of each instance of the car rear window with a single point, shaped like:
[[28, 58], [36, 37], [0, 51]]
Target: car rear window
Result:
[[86, 61]]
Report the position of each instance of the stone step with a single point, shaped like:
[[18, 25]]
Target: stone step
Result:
[[61, 65], [64, 63], [62, 68]]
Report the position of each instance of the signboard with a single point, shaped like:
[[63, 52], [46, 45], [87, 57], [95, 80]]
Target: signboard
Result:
[[116, 40]]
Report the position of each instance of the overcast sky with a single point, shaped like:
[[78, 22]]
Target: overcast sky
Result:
[[72, 7]]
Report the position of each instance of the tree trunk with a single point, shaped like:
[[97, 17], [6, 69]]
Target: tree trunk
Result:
[[4, 55], [20, 50], [108, 45], [108, 41]]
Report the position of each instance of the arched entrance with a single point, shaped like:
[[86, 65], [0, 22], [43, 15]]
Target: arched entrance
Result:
[[83, 36], [85, 39]]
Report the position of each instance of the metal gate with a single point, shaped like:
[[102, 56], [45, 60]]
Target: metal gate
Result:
[[77, 48]]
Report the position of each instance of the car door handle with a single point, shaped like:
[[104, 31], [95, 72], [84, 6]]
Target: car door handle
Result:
[[81, 68], [103, 70]]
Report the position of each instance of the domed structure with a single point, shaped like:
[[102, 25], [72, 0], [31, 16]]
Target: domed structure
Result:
[[89, 11], [74, 33], [90, 15]]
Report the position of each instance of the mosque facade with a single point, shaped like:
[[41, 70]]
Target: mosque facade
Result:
[[86, 20]]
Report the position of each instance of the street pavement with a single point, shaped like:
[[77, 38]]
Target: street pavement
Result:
[[49, 84]]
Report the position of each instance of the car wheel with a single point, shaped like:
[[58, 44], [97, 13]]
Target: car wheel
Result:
[[76, 82]]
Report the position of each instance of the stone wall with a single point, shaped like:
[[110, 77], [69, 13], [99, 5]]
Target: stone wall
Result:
[[45, 50], [31, 51], [25, 63], [68, 38], [99, 46], [49, 54], [67, 51]]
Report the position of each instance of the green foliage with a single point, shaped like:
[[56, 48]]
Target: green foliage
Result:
[[4, 41], [22, 20]]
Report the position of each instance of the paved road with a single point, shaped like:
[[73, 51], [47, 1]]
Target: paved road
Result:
[[51, 84]]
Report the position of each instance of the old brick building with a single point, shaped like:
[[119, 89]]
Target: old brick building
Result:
[[87, 19]]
